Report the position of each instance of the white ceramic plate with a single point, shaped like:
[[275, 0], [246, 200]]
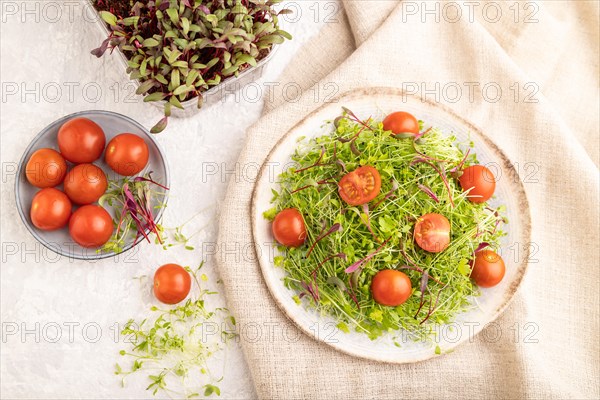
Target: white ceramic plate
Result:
[[378, 102], [112, 124]]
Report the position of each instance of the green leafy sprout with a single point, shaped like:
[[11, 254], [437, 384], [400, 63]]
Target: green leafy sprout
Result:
[[418, 176]]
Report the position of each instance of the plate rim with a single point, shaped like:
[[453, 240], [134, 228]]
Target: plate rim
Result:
[[31, 145], [353, 94]]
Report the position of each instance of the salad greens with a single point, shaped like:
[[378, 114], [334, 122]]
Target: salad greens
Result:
[[346, 246]]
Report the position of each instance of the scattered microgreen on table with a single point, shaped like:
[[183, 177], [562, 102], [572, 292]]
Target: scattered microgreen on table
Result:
[[174, 348], [346, 246]]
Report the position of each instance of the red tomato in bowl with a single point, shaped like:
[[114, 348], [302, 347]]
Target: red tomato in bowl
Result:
[[127, 154], [50, 209], [172, 283], [480, 180], [391, 287], [81, 140], [288, 228], [46, 168], [488, 269], [85, 183], [360, 186], [432, 232], [401, 122], [91, 226]]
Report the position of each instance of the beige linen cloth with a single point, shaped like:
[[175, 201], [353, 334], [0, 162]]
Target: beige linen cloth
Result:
[[549, 344]]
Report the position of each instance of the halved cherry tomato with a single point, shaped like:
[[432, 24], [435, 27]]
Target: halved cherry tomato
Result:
[[91, 226], [85, 183], [127, 154], [50, 209], [172, 283], [432, 232], [81, 140], [401, 122], [46, 168], [480, 180], [391, 287], [488, 269], [360, 186], [288, 228]]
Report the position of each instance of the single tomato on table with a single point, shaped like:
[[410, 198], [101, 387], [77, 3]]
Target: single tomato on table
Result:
[[85, 183], [488, 268], [360, 186], [288, 228], [480, 180], [391, 287], [91, 226], [81, 140], [46, 168], [172, 283], [127, 154], [401, 123], [50, 209], [432, 232]]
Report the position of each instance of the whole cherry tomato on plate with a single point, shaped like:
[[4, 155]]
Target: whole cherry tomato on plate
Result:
[[488, 268], [81, 140], [50, 209], [91, 226], [127, 154], [85, 183], [400, 123], [46, 168], [391, 287], [480, 180], [288, 228]]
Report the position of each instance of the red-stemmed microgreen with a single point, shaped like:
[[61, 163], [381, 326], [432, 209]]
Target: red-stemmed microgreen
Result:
[[364, 260], [315, 184], [389, 195], [428, 192], [334, 228], [440, 173], [316, 164]]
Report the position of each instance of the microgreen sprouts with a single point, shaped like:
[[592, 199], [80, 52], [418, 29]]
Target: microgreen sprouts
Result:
[[174, 348], [414, 171], [134, 202]]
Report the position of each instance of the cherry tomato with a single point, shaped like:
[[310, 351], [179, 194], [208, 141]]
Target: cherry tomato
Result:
[[81, 140], [288, 228], [50, 209], [480, 180], [488, 269], [46, 168], [85, 183], [172, 283], [391, 287], [401, 122], [360, 186], [126, 154], [91, 226], [432, 232]]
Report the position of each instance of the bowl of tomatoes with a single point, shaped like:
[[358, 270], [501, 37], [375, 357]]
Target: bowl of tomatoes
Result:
[[71, 165]]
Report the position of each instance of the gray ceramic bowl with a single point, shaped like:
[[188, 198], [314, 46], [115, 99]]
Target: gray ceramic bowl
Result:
[[112, 123]]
